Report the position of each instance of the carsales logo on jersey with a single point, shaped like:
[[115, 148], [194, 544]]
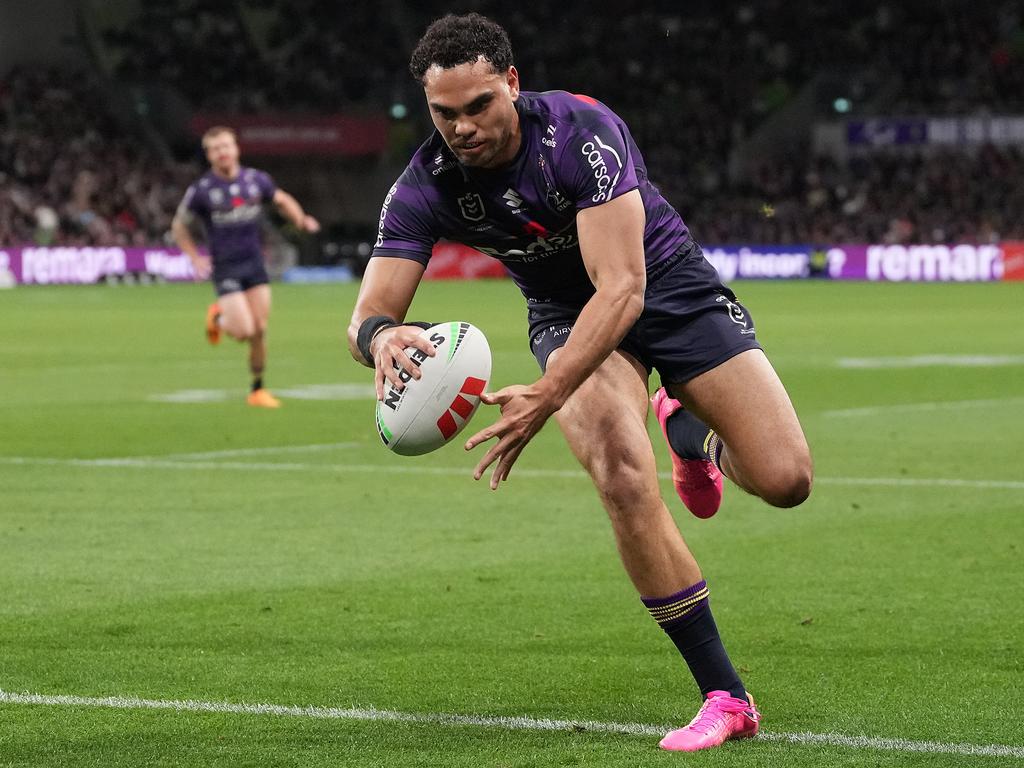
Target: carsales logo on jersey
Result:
[[592, 151]]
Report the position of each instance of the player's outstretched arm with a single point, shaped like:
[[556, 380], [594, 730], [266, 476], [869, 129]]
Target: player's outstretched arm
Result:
[[611, 242], [291, 210], [388, 287], [183, 237]]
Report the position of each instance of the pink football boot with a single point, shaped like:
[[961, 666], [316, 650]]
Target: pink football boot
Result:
[[698, 481], [720, 719]]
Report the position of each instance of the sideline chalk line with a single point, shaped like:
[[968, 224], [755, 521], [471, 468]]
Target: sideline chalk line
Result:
[[924, 407], [509, 723], [151, 462]]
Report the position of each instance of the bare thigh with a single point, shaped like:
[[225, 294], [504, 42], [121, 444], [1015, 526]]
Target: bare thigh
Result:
[[605, 424], [744, 401]]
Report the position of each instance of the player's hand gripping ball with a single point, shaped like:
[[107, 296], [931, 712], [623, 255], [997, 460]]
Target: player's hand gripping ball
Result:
[[429, 411]]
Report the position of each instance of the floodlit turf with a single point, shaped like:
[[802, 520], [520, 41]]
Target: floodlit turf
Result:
[[343, 576]]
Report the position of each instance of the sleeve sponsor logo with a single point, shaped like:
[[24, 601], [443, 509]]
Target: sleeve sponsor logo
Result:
[[595, 153], [383, 215]]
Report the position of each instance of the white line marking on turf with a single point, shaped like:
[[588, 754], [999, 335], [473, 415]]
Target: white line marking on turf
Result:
[[273, 449], [508, 723], [925, 361], [329, 392], [912, 407], [307, 392], [145, 462]]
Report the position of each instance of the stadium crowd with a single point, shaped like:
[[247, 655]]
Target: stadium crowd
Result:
[[69, 175], [692, 86]]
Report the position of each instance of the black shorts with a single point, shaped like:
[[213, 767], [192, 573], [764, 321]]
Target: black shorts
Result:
[[239, 276], [690, 323]]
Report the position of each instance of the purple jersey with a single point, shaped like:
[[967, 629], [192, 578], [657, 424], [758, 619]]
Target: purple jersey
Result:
[[575, 153], [231, 212]]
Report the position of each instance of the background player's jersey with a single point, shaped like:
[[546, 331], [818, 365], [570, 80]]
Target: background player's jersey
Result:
[[231, 212], [575, 153]]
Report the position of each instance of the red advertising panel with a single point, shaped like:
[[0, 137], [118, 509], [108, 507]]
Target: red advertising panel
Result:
[[324, 135], [1013, 260], [454, 260]]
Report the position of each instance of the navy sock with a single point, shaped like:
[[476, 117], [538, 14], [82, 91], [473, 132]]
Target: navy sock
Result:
[[691, 438], [687, 620], [257, 382]]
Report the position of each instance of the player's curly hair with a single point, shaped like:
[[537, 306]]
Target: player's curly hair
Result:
[[453, 40]]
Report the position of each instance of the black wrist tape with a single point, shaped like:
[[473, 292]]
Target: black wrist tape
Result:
[[368, 329]]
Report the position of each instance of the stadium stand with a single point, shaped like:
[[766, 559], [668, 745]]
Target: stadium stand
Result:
[[695, 87], [69, 175]]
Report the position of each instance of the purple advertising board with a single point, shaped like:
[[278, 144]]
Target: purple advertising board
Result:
[[916, 263], [895, 263], [73, 265]]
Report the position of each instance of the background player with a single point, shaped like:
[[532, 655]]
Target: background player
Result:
[[553, 185], [229, 199]]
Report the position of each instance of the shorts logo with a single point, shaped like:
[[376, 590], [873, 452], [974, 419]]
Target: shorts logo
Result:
[[471, 206], [230, 284], [736, 313]]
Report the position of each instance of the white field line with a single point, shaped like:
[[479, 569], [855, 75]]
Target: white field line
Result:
[[926, 361], [145, 462], [507, 723], [271, 450], [925, 407]]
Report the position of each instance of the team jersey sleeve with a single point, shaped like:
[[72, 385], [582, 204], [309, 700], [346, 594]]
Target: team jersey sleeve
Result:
[[191, 202], [266, 184], [597, 164], [406, 227]]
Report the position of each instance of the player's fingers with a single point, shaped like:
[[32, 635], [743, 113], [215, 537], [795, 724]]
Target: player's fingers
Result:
[[423, 344], [504, 467], [485, 434], [406, 363], [378, 382], [390, 372], [489, 458], [500, 397]]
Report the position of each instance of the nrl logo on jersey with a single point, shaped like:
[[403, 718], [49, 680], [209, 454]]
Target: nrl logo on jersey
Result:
[[471, 206]]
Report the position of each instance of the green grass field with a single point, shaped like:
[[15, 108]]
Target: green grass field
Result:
[[285, 557]]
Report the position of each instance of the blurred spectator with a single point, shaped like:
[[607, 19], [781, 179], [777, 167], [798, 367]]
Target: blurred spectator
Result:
[[69, 175]]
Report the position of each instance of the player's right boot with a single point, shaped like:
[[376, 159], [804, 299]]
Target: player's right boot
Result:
[[261, 398], [721, 718], [698, 482], [212, 326]]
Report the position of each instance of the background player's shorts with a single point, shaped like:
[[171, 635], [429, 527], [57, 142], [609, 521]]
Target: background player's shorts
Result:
[[690, 324], [241, 276]]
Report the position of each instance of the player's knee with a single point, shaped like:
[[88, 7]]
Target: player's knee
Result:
[[790, 484], [621, 480]]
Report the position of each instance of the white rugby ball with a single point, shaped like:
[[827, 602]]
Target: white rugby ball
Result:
[[429, 411]]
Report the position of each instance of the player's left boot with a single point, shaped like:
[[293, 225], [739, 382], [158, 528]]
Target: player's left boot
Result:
[[212, 326], [721, 718], [261, 398], [698, 482]]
